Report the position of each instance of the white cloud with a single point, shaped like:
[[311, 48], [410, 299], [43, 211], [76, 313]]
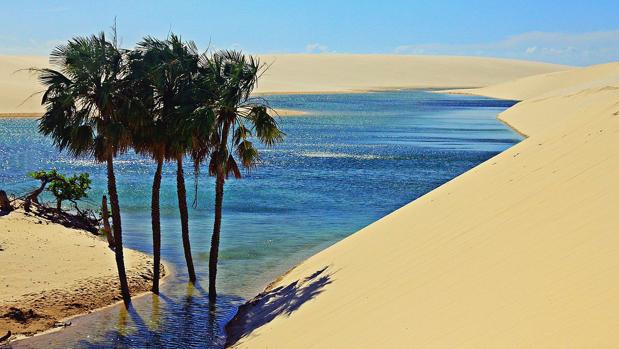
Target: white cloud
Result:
[[316, 48], [578, 49]]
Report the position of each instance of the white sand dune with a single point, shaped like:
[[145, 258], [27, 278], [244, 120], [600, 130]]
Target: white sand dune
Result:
[[314, 73], [520, 252], [17, 86], [562, 82], [344, 72]]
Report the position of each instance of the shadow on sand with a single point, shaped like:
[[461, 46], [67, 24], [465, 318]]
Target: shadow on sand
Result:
[[271, 303]]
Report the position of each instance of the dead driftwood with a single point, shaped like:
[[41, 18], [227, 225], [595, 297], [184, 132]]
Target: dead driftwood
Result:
[[33, 196], [23, 317], [74, 221], [5, 204], [83, 220], [5, 337]]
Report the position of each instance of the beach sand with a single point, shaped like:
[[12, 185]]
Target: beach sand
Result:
[[58, 272], [298, 73], [519, 252]]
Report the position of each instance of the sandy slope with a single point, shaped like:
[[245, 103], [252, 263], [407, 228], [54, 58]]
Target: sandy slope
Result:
[[58, 272], [311, 73], [520, 252], [562, 82]]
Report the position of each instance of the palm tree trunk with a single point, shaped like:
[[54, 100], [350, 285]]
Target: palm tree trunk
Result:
[[214, 254], [118, 237], [182, 207], [219, 198], [156, 224], [106, 223]]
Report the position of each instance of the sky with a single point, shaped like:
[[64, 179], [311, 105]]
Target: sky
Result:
[[575, 32]]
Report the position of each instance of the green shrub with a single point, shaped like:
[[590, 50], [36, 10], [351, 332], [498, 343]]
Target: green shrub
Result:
[[62, 187]]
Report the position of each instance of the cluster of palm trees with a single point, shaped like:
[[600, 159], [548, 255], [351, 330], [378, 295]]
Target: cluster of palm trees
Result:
[[163, 99]]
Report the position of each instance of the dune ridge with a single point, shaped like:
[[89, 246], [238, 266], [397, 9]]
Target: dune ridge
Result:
[[520, 251], [302, 73]]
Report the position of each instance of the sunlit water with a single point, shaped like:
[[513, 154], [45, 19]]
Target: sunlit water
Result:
[[351, 160]]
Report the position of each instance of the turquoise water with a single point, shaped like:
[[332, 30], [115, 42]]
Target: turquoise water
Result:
[[351, 160]]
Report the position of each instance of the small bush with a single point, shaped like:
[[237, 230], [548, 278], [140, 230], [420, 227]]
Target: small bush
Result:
[[62, 187], [70, 188]]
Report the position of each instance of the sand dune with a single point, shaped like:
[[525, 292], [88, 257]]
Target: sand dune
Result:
[[17, 86], [562, 82], [520, 252], [314, 73], [340, 72]]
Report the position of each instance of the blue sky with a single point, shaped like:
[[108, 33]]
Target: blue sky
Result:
[[570, 32]]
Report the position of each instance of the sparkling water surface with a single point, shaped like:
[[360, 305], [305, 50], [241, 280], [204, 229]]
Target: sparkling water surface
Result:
[[350, 160]]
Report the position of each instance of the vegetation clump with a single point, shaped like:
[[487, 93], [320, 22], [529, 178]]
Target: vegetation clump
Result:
[[163, 99], [70, 189], [63, 188]]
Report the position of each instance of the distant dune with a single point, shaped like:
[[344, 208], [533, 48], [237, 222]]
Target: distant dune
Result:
[[17, 86], [344, 72], [314, 73], [520, 252], [561, 82]]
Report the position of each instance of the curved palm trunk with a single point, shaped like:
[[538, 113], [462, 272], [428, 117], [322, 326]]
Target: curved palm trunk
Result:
[[156, 224], [118, 237], [182, 207], [214, 254]]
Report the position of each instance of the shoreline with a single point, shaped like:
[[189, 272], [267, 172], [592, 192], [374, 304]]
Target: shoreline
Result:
[[278, 111], [61, 274], [20, 115], [169, 272]]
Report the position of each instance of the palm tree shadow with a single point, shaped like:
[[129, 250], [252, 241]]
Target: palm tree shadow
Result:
[[283, 300]]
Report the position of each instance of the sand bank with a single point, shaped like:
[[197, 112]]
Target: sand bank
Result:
[[297, 73], [58, 272], [520, 251]]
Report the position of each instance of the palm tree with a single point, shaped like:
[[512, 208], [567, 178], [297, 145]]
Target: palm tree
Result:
[[84, 103], [148, 135], [165, 70], [237, 117]]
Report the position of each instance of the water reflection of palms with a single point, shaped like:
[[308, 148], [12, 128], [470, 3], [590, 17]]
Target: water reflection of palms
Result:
[[155, 314]]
